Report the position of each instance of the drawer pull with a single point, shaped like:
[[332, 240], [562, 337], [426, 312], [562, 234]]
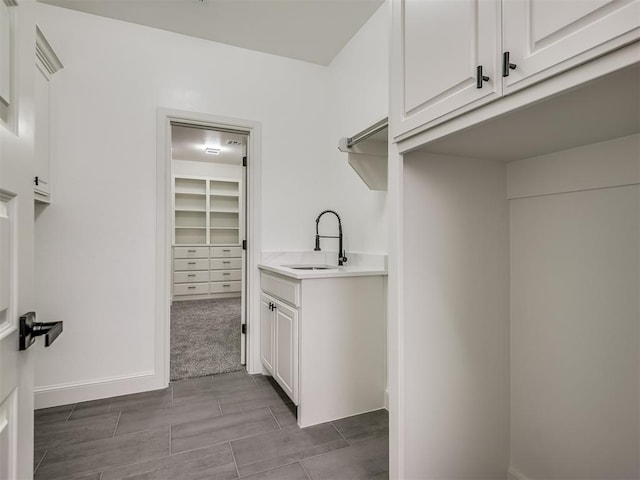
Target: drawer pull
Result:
[[191, 263], [225, 262], [191, 288], [226, 285], [191, 275], [191, 251], [226, 250], [225, 274]]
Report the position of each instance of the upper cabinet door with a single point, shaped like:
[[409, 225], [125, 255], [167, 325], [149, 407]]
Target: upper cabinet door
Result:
[[545, 37], [438, 46]]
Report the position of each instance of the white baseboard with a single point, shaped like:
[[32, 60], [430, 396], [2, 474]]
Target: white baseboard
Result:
[[386, 399], [516, 475], [66, 393]]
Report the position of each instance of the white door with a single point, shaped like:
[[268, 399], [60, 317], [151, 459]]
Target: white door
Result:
[[546, 37], [16, 239], [438, 47], [286, 349], [9, 358], [266, 331]]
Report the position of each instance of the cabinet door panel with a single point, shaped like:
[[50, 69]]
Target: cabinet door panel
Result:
[[544, 38], [442, 42], [286, 368], [266, 333], [42, 133]]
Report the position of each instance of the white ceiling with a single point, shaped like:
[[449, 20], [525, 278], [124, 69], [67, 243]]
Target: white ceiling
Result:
[[309, 30], [188, 143]]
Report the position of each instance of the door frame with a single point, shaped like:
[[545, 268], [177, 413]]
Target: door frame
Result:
[[253, 232]]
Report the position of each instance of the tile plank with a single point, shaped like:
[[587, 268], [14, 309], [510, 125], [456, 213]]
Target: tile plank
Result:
[[50, 435], [148, 418], [365, 426], [206, 463], [293, 471], [189, 436], [269, 450], [285, 414], [95, 456], [258, 397], [366, 460], [52, 414]]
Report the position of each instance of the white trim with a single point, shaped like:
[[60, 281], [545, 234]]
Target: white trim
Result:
[[395, 317], [516, 475], [46, 54], [163, 229], [73, 392], [385, 402]]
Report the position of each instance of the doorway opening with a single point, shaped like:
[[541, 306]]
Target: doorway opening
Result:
[[208, 241]]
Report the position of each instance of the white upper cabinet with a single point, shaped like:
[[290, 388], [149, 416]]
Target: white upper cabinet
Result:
[[438, 45], [47, 63], [442, 45], [545, 37]]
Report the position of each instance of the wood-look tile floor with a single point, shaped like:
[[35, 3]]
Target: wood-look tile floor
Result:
[[218, 427]]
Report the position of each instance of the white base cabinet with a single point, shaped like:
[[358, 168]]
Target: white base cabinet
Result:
[[323, 341], [279, 342]]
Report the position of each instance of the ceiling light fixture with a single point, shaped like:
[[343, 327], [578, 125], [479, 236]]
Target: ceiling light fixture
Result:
[[211, 150]]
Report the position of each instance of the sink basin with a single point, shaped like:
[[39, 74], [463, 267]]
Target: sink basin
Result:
[[311, 267]]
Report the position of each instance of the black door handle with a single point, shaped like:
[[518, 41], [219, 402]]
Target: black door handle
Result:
[[30, 329], [506, 65], [480, 77]]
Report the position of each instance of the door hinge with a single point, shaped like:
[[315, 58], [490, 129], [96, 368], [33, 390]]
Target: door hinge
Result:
[[244, 244], [244, 328], [244, 161]]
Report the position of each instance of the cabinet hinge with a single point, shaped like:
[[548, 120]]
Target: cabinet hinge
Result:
[[244, 244], [244, 161], [244, 328], [35, 180]]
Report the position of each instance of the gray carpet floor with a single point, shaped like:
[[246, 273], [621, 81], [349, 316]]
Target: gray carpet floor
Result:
[[205, 337]]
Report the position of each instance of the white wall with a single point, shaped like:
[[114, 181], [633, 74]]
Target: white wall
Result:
[[575, 313], [359, 91], [204, 169], [454, 406], [96, 269]]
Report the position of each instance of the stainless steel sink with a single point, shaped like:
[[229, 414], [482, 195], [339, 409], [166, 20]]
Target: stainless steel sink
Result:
[[311, 267]]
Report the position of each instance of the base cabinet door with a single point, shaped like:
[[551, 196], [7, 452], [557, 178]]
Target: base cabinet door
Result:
[[544, 38], [286, 350], [267, 332]]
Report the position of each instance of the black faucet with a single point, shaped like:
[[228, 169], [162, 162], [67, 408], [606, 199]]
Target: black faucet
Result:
[[341, 253]]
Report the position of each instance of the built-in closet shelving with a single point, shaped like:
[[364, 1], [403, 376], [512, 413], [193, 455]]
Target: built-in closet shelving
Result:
[[207, 213]]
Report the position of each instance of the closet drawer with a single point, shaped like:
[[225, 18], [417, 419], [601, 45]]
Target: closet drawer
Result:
[[225, 287], [225, 275], [190, 277], [229, 264], [190, 288], [190, 252], [226, 252], [188, 264]]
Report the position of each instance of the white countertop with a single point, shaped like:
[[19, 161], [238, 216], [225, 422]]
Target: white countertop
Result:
[[344, 271]]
